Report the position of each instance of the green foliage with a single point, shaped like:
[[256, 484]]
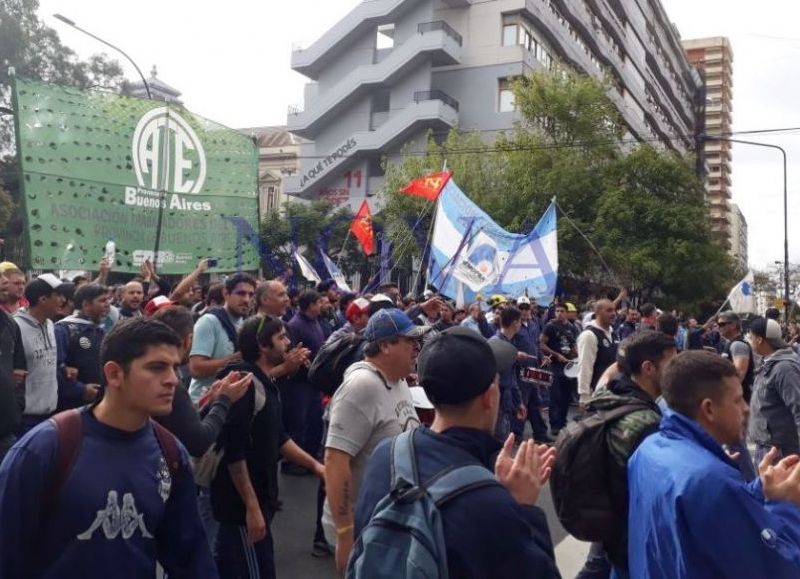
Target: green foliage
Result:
[[311, 226], [644, 211], [34, 51], [653, 227]]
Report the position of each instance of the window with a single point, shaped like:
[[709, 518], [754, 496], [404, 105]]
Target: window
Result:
[[505, 101], [509, 34], [385, 37], [380, 101]]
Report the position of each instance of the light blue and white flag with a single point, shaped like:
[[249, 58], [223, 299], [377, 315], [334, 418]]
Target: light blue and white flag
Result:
[[335, 273], [742, 299], [469, 249], [306, 268]]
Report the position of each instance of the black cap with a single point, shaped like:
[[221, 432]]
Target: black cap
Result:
[[459, 364]]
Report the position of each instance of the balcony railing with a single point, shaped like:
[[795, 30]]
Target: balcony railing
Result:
[[424, 27], [435, 95]]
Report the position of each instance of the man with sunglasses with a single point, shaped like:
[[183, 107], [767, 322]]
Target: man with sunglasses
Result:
[[372, 404], [214, 344]]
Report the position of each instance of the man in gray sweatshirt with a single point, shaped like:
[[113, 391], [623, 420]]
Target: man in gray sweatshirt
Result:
[[775, 404], [46, 296]]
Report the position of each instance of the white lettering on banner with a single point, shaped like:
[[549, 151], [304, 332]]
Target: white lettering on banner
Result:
[[146, 198], [162, 136], [322, 166]]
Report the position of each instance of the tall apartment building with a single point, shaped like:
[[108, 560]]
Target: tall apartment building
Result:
[[738, 236], [391, 70], [713, 57]]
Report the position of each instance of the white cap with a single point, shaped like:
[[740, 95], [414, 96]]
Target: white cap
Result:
[[523, 300], [420, 399], [50, 279], [381, 298]]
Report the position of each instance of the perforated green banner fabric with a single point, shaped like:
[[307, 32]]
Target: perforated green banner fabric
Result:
[[96, 166]]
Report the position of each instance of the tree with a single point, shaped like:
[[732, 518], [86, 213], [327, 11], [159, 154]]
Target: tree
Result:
[[653, 226], [34, 50], [644, 212], [309, 227]]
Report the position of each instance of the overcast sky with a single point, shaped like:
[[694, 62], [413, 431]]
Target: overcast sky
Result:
[[231, 62]]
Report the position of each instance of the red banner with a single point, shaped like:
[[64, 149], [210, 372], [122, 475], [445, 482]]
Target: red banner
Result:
[[428, 187], [361, 228]]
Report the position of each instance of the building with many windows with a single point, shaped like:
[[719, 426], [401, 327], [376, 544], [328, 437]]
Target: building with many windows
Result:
[[392, 70], [713, 57], [738, 236]]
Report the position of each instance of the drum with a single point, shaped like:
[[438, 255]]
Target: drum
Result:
[[536, 377]]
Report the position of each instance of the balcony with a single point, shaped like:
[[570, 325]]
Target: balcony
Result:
[[364, 17], [428, 109], [436, 41]]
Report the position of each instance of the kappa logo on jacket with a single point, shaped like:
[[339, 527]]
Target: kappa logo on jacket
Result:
[[117, 521]]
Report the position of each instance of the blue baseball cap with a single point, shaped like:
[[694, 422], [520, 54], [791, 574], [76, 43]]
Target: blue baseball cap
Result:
[[390, 323]]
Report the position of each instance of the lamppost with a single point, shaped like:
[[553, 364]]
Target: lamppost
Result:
[[785, 212], [159, 223], [71, 23]]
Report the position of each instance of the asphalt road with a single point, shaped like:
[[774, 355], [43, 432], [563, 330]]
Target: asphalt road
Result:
[[293, 531]]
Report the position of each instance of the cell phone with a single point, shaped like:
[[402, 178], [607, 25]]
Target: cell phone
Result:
[[212, 262]]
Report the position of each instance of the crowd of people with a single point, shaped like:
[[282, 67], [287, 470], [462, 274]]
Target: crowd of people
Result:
[[143, 428]]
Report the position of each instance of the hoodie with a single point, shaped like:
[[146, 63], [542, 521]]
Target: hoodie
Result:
[[41, 354], [775, 403]]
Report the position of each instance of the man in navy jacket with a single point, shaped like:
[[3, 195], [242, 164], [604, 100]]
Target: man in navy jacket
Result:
[[494, 531], [691, 513], [127, 505]]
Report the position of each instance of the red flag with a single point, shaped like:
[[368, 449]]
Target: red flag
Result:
[[428, 187], [361, 228]]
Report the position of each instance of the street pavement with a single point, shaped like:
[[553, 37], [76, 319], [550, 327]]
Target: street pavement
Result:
[[293, 531]]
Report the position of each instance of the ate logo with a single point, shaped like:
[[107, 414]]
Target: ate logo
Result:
[[167, 154]]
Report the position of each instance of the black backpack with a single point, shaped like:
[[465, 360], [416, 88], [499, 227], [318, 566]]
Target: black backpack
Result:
[[580, 482], [334, 357]]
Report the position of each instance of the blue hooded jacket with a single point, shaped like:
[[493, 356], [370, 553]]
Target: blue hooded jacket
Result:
[[692, 515]]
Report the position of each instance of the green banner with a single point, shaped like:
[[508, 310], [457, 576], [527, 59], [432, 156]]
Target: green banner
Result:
[[99, 167]]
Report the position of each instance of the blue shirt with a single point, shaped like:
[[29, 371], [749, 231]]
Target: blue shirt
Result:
[[527, 339], [119, 512], [210, 340], [510, 396], [692, 515]]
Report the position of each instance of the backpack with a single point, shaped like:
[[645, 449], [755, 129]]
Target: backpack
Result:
[[205, 467], [404, 537], [326, 373], [69, 434], [580, 480]]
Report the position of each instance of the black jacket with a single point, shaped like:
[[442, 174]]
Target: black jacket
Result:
[[12, 357], [255, 439]]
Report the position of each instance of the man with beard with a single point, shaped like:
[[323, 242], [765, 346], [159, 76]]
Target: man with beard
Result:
[[214, 342], [252, 440], [132, 298]]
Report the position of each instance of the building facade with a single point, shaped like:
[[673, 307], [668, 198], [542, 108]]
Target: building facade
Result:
[[713, 57], [393, 70], [738, 236], [278, 151]]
